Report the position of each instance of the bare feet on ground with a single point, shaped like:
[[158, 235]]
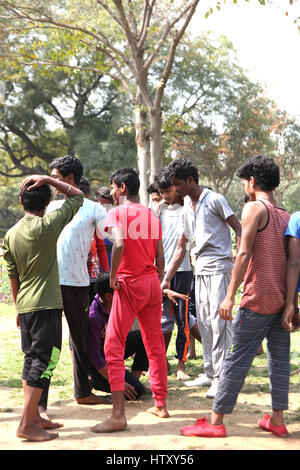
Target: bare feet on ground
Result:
[[35, 433], [191, 356], [93, 400], [182, 375], [43, 420], [160, 411], [110, 425]]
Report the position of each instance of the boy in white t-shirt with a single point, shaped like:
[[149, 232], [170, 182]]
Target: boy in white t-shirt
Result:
[[169, 215], [72, 253]]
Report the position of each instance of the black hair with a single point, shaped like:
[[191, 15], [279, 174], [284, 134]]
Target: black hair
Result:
[[37, 199], [66, 165], [162, 179], [152, 188], [181, 169], [128, 176], [84, 186], [102, 285], [263, 169]]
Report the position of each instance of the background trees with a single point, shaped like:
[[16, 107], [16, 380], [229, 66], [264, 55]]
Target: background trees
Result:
[[121, 83]]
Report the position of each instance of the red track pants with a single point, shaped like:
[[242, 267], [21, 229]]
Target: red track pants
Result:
[[139, 298]]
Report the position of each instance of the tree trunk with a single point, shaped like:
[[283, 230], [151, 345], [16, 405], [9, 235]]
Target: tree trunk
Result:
[[143, 148], [156, 146]]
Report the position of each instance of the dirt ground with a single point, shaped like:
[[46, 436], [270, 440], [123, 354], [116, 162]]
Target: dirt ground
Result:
[[147, 432]]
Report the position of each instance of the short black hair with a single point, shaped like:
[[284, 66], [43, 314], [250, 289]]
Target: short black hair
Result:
[[152, 188], [37, 199], [263, 169], [102, 285], [181, 169], [84, 186], [128, 176], [162, 179], [66, 165]]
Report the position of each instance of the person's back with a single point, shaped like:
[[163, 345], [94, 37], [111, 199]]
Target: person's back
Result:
[[29, 249], [32, 244], [141, 230], [265, 280]]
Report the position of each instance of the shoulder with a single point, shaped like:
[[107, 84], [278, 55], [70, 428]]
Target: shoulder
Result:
[[254, 209], [293, 228]]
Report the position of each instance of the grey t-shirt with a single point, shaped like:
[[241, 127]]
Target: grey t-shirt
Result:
[[207, 226], [169, 218]]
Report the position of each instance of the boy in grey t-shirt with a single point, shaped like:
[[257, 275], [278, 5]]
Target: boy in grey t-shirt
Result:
[[207, 219], [169, 216]]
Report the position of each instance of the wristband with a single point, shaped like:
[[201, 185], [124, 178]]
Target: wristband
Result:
[[296, 310]]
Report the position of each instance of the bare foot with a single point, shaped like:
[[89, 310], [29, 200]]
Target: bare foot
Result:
[[160, 411], [93, 400], [110, 425], [191, 356], [43, 420], [182, 375], [35, 433]]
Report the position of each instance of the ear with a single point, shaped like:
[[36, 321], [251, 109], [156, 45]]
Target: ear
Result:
[[70, 179], [252, 181], [21, 201], [124, 188]]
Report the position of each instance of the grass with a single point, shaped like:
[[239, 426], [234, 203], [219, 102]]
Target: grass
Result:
[[11, 363]]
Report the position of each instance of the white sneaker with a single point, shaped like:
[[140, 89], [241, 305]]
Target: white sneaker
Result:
[[201, 381], [213, 389]]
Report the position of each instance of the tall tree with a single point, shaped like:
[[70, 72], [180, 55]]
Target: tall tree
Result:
[[49, 114], [131, 35]]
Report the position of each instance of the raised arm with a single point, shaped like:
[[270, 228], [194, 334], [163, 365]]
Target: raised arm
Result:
[[38, 180]]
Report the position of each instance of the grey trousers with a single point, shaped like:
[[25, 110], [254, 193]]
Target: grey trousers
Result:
[[249, 330], [210, 291]]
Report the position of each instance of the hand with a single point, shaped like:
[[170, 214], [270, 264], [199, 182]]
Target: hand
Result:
[[290, 320], [225, 309], [37, 180], [114, 283], [173, 296], [129, 392], [165, 285], [18, 321]]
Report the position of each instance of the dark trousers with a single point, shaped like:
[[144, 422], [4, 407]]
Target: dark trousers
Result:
[[171, 313], [41, 334], [134, 346], [76, 308]]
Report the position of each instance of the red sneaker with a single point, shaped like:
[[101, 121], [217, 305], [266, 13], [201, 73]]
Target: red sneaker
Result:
[[264, 423], [204, 429]]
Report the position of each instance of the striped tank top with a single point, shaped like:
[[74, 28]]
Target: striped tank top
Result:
[[265, 280]]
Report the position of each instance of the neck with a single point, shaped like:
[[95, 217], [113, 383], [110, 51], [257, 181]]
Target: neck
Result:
[[268, 195], [35, 213], [133, 199], [195, 193]]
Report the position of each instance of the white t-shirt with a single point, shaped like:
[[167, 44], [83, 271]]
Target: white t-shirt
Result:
[[208, 228], [75, 240], [169, 217]]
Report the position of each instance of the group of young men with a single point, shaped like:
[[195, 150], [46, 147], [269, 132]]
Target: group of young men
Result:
[[150, 279]]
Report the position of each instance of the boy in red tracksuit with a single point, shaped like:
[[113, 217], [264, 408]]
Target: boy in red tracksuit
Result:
[[137, 267]]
